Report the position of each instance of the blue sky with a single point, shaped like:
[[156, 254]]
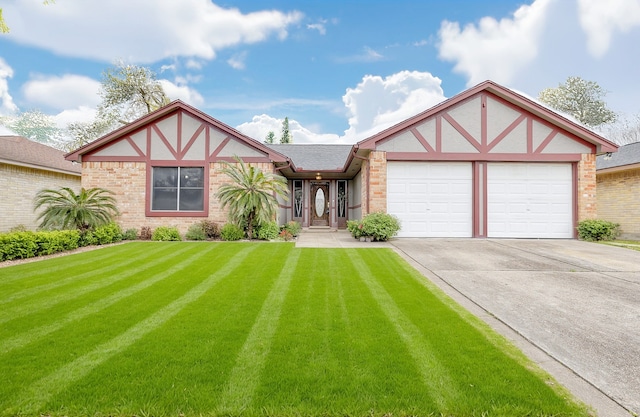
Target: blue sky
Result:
[[340, 70]]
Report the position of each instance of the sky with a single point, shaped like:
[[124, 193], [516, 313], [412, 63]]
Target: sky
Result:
[[339, 70]]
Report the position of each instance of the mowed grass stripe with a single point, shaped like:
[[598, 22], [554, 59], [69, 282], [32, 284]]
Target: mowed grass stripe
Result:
[[34, 270], [434, 375], [54, 281], [35, 305], [33, 334], [41, 391], [245, 376]]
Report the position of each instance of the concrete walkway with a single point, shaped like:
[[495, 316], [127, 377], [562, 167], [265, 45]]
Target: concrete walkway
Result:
[[572, 307]]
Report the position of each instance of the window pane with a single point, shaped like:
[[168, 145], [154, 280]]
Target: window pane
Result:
[[164, 199], [191, 199], [297, 198], [192, 177], [165, 177]]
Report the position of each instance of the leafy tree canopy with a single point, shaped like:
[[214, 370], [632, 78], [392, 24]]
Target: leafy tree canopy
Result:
[[581, 99], [36, 126]]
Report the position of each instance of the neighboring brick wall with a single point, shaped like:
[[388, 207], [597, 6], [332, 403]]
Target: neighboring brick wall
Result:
[[587, 200], [128, 181], [618, 201], [377, 182], [20, 186]]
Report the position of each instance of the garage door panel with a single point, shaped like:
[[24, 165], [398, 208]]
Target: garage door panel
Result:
[[437, 198], [529, 200]]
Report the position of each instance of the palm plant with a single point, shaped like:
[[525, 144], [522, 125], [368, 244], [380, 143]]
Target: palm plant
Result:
[[64, 209], [251, 196]]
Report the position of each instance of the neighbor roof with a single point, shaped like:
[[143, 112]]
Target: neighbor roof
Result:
[[313, 157], [626, 155], [17, 150]]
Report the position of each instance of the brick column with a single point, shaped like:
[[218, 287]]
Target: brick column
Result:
[[587, 207], [377, 182]]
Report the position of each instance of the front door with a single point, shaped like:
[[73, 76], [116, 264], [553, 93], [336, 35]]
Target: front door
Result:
[[319, 204]]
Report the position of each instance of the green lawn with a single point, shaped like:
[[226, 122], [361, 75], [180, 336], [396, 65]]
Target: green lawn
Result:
[[252, 329]]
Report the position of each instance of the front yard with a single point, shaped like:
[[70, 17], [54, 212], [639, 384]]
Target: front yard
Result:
[[251, 329]]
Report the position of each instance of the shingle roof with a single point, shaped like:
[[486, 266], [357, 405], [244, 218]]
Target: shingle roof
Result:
[[17, 150], [312, 157], [626, 155]]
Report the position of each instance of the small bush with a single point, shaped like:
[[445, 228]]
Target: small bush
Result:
[[293, 227], [145, 233], [594, 230], [196, 232], [285, 235], [130, 234], [379, 226], [231, 232], [110, 233], [87, 238], [211, 229], [166, 234], [268, 231]]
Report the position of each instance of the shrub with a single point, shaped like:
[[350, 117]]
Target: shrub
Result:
[[145, 233], [22, 245], [231, 232], [166, 234], [355, 228], [380, 226], [130, 234], [86, 238], [196, 232], [285, 235], [211, 229], [293, 227], [594, 230], [109, 233], [268, 231]]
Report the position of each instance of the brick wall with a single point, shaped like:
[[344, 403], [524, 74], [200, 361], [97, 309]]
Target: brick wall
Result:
[[587, 199], [128, 181], [618, 201], [20, 186], [377, 182]]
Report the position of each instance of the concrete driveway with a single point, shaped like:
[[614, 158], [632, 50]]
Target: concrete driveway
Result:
[[577, 302]]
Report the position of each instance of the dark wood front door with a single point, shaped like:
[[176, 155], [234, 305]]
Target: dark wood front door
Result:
[[319, 204]]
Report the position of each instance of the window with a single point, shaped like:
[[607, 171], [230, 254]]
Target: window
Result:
[[342, 198], [297, 198], [178, 189]]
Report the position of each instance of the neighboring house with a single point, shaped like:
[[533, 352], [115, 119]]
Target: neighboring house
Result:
[[485, 163], [618, 178], [27, 167]]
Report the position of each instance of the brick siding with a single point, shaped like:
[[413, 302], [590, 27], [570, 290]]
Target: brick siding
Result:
[[20, 186], [377, 182], [618, 201], [587, 198]]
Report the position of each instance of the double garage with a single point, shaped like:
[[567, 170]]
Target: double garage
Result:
[[492, 199]]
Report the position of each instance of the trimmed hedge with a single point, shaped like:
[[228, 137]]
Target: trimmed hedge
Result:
[[594, 230], [22, 245], [378, 226]]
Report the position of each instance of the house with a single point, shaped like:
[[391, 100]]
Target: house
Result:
[[27, 167], [618, 179], [487, 162]]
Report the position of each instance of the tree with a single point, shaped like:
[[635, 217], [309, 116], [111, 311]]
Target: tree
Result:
[[37, 126], [3, 25], [128, 92], [251, 195], [581, 99], [625, 130], [64, 209], [286, 136], [270, 137]]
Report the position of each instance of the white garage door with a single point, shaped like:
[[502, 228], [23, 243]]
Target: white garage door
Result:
[[431, 199], [529, 200]]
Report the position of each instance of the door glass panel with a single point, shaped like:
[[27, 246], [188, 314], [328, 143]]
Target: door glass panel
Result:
[[319, 202]]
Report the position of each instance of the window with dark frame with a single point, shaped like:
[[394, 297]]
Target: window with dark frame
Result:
[[297, 198], [342, 198], [178, 189]]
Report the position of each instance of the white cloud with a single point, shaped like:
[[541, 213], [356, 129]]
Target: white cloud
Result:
[[368, 55], [373, 105], [147, 30], [600, 19], [80, 114], [66, 91], [182, 92], [261, 125], [237, 61], [7, 106], [320, 26], [493, 49]]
